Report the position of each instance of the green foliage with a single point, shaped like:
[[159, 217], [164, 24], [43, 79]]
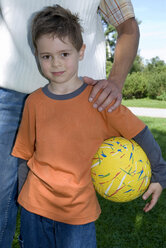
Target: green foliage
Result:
[[135, 86], [146, 84], [157, 84], [110, 33], [155, 63], [146, 80], [162, 97], [137, 64], [108, 67], [110, 37]]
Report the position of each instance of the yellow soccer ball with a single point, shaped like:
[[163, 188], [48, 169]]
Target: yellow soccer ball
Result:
[[120, 170]]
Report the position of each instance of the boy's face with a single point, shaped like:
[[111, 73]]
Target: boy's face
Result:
[[58, 60]]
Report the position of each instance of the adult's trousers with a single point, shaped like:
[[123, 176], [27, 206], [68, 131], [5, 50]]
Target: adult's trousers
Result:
[[11, 106]]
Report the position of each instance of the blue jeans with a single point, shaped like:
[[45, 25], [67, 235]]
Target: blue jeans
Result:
[[11, 105], [40, 232]]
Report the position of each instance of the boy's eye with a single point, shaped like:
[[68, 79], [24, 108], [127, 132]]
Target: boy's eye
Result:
[[46, 57], [65, 54]]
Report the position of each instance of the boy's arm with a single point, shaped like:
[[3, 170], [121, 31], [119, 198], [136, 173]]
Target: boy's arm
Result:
[[24, 146], [158, 165], [155, 190], [22, 173]]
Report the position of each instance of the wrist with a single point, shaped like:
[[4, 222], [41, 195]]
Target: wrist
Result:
[[119, 82]]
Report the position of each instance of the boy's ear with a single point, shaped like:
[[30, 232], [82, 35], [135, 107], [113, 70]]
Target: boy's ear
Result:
[[81, 52]]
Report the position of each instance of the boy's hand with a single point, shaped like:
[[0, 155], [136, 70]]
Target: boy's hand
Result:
[[155, 190], [110, 92]]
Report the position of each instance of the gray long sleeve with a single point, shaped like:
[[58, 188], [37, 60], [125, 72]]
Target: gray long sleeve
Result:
[[22, 173], [158, 165]]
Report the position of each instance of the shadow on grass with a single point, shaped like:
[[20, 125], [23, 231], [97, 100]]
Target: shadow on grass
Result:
[[127, 226]]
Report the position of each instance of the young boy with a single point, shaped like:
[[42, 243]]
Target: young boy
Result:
[[59, 134]]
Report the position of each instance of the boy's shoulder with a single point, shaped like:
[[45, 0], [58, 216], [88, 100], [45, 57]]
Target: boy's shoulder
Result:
[[35, 95]]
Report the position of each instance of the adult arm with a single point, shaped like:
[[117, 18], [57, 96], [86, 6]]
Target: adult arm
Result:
[[158, 166], [125, 52]]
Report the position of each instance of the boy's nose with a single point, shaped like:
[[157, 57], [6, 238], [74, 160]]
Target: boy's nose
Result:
[[56, 62]]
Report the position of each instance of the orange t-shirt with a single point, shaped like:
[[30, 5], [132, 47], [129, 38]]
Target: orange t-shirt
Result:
[[59, 136]]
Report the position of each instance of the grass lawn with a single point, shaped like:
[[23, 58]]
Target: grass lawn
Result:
[[145, 102], [126, 225]]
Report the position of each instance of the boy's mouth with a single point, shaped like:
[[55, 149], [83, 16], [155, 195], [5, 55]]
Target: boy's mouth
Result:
[[57, 73]]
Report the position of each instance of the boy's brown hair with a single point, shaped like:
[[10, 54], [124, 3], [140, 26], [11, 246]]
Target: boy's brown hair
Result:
[[58, 22]]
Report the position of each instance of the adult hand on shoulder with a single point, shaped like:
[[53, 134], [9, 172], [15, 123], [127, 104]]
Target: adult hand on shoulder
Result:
[[110, 92], [155, 190]]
